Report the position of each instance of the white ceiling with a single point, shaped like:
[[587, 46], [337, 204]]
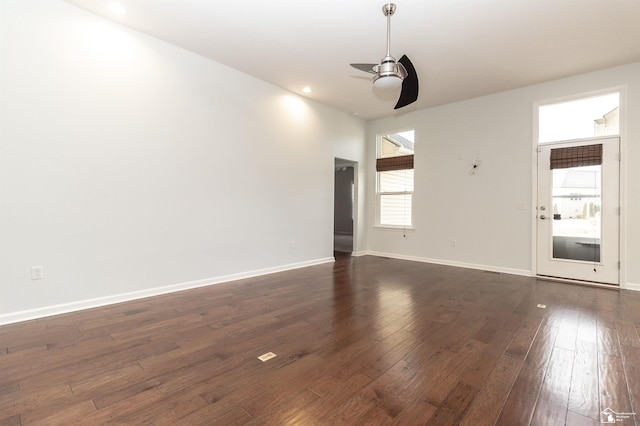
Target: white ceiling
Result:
[[460, 48]]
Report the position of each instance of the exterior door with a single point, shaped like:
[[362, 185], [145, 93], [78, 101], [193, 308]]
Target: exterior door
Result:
[[578, 211]]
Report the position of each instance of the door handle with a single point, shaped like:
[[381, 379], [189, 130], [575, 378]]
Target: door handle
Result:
[[543, 217]]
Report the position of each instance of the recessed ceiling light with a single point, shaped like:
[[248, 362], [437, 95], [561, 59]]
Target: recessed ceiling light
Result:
[[307, 89], [117, 8]]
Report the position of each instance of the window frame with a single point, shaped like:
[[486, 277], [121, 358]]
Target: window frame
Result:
[[380, 194], [575, 99]]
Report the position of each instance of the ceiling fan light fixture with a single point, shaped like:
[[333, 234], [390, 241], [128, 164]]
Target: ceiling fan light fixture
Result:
[[389, 74], [387, 82]]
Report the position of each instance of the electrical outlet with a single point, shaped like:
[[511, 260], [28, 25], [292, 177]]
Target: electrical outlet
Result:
[[453, 243], [292, 244], [37, 273]]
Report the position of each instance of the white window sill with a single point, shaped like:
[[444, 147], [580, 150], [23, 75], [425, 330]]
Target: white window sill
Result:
[[394, 228]]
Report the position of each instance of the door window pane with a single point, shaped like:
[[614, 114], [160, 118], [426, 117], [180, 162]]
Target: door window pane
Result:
[[577, 204]]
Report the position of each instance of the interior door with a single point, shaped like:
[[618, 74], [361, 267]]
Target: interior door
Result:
[[578, 211]]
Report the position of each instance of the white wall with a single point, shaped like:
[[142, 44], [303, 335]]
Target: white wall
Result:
[[481, 211], [129, 166]]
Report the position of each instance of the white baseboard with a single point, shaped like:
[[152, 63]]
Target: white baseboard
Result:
[[126, 297], [631, 286], [522, 272]]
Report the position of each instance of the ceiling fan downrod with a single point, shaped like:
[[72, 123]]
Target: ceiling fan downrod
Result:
[[389, 9], [389, 73]]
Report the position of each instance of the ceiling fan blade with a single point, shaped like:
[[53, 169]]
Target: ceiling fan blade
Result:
[[365, 67], [409, 93]]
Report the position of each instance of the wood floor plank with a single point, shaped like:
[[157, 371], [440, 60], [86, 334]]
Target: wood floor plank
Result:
[[613, 384], [454, 406], [364, 340], [11, 421], [63, 417], [342, 365], [124, 408], [418, 412], [236, 417], [584, 394], [351, 411], [627, 333], [445, 380], [486, 407], [525, 336], [389, 395], [587, 328], [40, 401], [608, 342], [227, 392], [631, 365], [168, 410], [9, 387], [521, 403], [337, 390], [405, 343], [568, 330], [575, 419], [551, 407], [278, 406], [476, 374]]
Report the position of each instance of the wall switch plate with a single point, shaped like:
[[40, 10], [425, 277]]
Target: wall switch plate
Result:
[[37, 273], [453, 243]]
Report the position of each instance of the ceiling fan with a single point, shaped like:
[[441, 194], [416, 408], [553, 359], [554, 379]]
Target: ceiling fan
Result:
[[389, 73]]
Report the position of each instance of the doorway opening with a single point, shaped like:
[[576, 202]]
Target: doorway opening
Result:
[[344, 206], [577, 220], [578, 210]]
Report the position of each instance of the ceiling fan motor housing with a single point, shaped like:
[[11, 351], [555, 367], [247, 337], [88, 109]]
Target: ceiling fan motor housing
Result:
[[389, 74]]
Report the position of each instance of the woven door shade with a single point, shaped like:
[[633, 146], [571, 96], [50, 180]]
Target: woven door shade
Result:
[[576, 156]]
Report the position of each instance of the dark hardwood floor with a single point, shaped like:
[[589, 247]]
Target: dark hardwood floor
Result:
[[366, 340]]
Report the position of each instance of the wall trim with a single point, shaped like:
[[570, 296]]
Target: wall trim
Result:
[[48, 311], [631, 286], [522, 272]]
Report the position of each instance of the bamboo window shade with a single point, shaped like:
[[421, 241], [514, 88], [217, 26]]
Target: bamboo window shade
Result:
[[387, 164], [576, 156]]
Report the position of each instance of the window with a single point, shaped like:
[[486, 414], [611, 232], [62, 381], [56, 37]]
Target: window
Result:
[[579, 119], [394, 168]]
